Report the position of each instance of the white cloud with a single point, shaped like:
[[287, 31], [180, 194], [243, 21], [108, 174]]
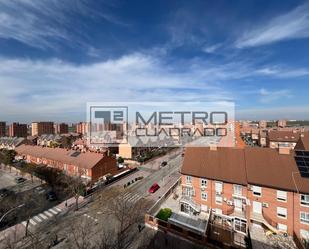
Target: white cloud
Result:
[[292, 25], [283, 72], [268, 96], [212, 49], [41, 23]]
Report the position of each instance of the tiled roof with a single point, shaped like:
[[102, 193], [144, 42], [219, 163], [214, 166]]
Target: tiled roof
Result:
[[303, 143], [257, 166], [283, 136], [85, 160]]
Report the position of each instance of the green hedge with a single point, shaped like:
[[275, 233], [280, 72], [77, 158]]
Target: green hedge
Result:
[[164, 214]]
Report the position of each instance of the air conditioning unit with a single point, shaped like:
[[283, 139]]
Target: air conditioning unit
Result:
[[265, 205], [203, 189], [224, 199], [230, 203]]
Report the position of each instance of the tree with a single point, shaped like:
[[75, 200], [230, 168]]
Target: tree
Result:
[[120, 160]]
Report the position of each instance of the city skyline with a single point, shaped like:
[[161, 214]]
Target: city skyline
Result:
[[59, 55]]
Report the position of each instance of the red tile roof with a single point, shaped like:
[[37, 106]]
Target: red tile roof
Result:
[[303, 143], [257, 166], [85, 160]]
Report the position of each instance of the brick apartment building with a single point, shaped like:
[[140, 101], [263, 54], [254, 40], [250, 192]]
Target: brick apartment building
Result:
[[263, 124], [18, 130], [281, 123], [82, 128], [89, 166], [40, 128], [287, 139], [2, 129], [250, 186], [61, 128]]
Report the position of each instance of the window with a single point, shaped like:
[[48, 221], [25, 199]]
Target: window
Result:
[[282, 212], [189, 192], [281, 195], [304, 200], [304, 217], [218, 199], [189, 179], [237, 190], [257, 191], [204, 196], [282, 227], [218, 187], [203, 183]]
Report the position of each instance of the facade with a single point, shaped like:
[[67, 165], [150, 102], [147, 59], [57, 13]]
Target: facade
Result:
[[87, 165], [18, 130], [61, 128], [82, 128], [40, 128], [2, 129], [250, 186]]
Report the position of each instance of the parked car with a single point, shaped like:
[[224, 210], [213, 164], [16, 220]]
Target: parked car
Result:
[[154, 188], [51, 196], [39, 190], [164, 163], [19, 179], [4, 192]]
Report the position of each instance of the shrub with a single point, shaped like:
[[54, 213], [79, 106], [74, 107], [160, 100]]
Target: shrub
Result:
[[164, 214]]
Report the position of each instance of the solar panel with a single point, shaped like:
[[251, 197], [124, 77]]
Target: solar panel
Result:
[[75, 154]]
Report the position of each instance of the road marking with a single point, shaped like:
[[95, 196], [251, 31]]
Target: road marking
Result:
[[43, 216], [53, 211], [32, 222], [48, 213], [58, 209], [37, 218]]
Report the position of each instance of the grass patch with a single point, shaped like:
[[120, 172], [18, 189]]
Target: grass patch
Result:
[[164, 214]]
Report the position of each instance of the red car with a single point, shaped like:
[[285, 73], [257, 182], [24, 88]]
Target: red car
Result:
[[154, 188]]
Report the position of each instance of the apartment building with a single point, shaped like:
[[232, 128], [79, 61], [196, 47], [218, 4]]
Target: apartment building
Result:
[[40, 128], [281, 123], [287, 139], [89, 166], [18, 130], [262, 124], [82, 128], [2, 129], [61, 128], [258, 186]]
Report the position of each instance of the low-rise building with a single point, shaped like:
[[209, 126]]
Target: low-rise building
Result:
[[250, 186], [286, 139], [11, 143], [87, 165]]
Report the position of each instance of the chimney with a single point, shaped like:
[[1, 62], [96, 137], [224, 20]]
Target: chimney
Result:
[[284, 151]]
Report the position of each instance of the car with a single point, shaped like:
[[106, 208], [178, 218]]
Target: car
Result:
[[51, 196], [4, 192], [19, 179], [39, 190], [154, 188], [164, 163]]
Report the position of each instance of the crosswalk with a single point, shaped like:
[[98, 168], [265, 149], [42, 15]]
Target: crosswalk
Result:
[[131, 197], [42, 216]]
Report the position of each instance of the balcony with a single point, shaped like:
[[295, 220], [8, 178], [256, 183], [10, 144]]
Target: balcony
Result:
[[187, 200]]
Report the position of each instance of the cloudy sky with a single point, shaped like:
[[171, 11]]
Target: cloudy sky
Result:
[[57, 55]]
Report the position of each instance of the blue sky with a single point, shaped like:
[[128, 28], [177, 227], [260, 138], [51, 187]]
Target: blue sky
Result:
[[57, 55]]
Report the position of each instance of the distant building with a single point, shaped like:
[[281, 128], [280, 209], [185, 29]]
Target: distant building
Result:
[[82, 128], [263, 124], [2, 129], [11, 143], [87, 165], [287, 139], [61, 128], [18, 130], [40, 128], [281, 123]]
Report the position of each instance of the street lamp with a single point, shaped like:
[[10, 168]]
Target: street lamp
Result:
[[11, 210]]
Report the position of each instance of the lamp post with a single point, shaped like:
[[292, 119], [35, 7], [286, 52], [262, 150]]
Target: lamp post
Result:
[[11, 210]]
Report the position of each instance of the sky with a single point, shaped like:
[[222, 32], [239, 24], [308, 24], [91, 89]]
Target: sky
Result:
[[55, 56]]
